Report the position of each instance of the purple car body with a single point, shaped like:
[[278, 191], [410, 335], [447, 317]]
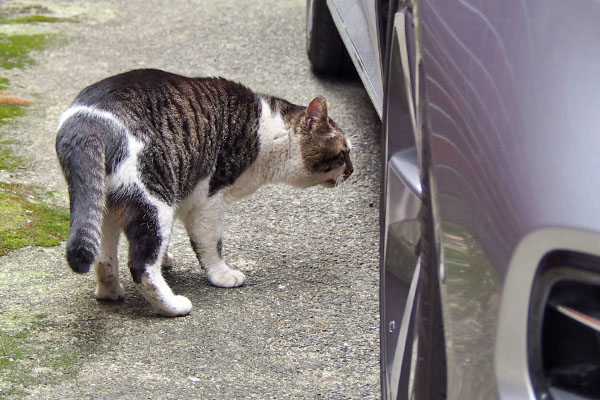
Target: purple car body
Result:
[[491, 135]]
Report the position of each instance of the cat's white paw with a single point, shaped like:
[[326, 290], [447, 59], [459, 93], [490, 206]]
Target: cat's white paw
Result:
[[167, 261], [227, 278], [177, 306], [113, 292]]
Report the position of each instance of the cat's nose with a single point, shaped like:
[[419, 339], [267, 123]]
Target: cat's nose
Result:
[[349, 168]]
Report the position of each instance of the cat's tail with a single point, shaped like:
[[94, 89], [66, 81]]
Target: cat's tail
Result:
[[80, 149]]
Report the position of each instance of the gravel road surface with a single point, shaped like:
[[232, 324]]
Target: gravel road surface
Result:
[[306, 323]]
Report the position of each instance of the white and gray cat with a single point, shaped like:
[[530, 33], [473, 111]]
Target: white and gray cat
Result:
[[141, 148]]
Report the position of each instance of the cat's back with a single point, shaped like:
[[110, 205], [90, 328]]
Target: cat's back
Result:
[[151, 85], [131, 87], [184, 129]]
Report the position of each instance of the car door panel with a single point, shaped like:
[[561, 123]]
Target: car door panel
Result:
[[498, 77]]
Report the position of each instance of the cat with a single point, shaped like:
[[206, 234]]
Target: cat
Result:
[[143, 147]]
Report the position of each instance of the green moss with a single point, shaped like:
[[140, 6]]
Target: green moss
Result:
[[28, 19], [13, 351], [10, 348], [33, 350], [15, 49], [64, 362], [9, 141], [41, 348], [8, 162], [9, 111], [3, 83], [27, 220]]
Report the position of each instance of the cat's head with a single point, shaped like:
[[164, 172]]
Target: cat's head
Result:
[[324, 147]]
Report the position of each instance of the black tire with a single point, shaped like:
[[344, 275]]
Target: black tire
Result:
[[431, 370], [324, 46]]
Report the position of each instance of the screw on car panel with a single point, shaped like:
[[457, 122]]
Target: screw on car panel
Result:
[[392, 326]]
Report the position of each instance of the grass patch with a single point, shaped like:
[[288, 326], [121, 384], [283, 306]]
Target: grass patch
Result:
[[15, 49], [29, 219], [4, 83]]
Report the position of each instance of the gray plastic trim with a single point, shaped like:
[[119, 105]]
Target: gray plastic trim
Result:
[[510, 360]]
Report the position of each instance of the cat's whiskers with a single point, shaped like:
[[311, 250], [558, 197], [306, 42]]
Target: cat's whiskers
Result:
[[340, 186]]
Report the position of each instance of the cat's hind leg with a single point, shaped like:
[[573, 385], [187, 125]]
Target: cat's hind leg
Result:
[[108, 285], [167, 262], [204, 225], [148, 229]]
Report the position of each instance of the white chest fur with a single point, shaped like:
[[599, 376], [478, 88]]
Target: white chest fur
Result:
[[279, 157]]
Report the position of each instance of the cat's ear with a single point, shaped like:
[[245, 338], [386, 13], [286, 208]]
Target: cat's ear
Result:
[[316, 112]]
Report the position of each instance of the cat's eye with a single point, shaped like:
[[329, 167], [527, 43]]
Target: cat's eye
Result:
[[333, 162]]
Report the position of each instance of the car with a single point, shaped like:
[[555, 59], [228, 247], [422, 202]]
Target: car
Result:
[[490, 210]]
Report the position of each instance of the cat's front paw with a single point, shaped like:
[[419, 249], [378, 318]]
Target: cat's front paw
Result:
[[227, 278], [177, 306], [105, 292]]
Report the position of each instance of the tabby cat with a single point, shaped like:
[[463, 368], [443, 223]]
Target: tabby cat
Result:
[[141, 148]]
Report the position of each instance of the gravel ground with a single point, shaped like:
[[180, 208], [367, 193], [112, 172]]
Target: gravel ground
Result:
[[305, 325]]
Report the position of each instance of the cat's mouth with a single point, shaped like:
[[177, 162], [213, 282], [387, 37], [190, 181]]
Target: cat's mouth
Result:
[[331, 182]]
